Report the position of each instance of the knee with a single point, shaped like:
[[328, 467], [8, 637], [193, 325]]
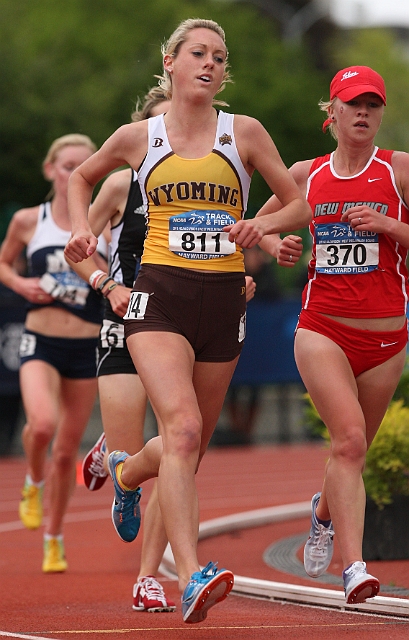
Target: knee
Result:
[[41, 431], [185, 437], [63, 460], [351, 447]]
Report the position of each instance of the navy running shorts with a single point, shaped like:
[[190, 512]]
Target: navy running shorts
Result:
[[72, 357]]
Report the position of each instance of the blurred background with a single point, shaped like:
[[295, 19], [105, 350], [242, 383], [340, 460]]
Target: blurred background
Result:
[[80, 66]]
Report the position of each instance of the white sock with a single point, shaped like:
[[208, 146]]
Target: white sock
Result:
[[48, 537], [29, 480]]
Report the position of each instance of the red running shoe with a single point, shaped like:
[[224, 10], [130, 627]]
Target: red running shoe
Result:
[[92, 466], [148, 595]]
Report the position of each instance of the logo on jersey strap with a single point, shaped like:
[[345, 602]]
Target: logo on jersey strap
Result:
[[158, 142], [225, 139]]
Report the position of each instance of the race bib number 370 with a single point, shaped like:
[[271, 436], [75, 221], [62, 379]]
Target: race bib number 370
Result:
[[343, 250], [198, 235]]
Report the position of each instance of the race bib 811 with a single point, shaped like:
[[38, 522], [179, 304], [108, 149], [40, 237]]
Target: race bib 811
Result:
[[198, 235]]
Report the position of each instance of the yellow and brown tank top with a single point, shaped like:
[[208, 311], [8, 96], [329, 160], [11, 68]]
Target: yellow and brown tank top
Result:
[[189, 201]]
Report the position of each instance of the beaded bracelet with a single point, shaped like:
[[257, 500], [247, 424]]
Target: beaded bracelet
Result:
[[95, 276]]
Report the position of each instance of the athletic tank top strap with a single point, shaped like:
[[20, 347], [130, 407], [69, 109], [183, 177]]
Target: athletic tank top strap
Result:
[[319, 162], [127, 237], [47, 232], [385, 155]]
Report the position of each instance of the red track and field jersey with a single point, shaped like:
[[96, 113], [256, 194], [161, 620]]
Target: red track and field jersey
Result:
[[358, 274]]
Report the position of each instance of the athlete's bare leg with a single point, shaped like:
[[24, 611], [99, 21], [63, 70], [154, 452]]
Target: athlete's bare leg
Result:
[[123, 403], [352, 410], [77, 400], [179, 390]]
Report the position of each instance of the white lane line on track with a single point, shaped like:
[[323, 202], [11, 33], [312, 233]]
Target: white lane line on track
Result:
[[252, 627], [80, 516], [7, 634]]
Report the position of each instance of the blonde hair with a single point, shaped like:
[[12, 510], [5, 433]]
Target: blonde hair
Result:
[[172, 45], [143, 109], [326, 105], [71, 139]]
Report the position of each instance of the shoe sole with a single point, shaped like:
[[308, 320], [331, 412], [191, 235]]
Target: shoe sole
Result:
[[361, 592], [216, 590], [60, 570], [169, 609]]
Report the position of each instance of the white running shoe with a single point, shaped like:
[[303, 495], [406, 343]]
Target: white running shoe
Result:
[[358, 584], [319, 547]]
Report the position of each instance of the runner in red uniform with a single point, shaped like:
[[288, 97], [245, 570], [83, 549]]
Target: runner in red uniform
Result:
[[350, 344]]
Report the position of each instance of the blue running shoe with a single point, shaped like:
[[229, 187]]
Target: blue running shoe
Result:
[[126, 513], [204, 589]]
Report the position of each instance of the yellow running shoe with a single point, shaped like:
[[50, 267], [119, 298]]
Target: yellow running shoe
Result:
[[31, 506], [54, 556]]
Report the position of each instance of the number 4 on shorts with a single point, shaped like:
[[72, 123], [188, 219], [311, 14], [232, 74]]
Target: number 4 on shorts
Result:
[[137, 306]]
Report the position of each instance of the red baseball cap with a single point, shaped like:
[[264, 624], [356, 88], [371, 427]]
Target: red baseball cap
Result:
[[352, 81]]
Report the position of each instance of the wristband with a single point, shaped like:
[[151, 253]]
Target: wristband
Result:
[[111, 286], [94, 277], [103, 283]]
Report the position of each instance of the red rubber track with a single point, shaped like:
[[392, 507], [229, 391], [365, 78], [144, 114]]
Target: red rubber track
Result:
[[93, 599]]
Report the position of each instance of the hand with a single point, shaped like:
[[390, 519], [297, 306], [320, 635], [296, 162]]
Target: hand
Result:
[[250, 288], [81, 246], [289, 251], [363, 218], [119, 299], [31, 290], [245, 233]]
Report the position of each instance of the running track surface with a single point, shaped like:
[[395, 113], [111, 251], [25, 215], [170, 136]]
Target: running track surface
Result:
[[93, 598]]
